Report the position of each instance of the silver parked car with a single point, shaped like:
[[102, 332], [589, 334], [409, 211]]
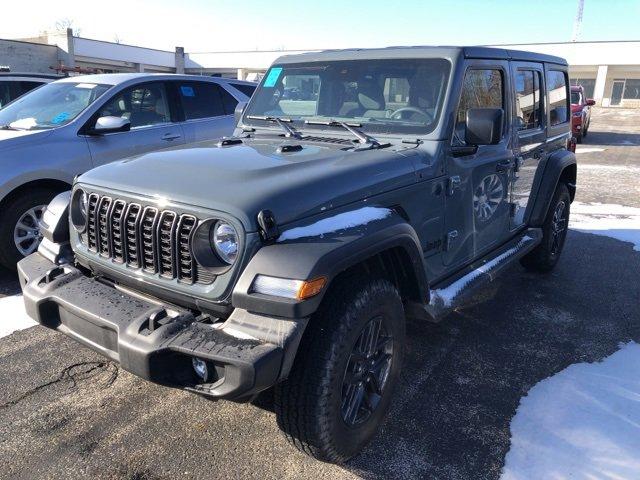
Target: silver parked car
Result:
[[67, 127], [14, 85]]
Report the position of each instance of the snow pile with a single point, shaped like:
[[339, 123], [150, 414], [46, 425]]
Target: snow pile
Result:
[[583, 423], [617, 221], [13, 316], [338, 222], [589, 150]]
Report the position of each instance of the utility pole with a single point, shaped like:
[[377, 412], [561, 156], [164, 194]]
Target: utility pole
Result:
[[577, 25]]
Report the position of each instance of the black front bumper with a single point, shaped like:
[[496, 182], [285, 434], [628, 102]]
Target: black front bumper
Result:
[[157, 341]]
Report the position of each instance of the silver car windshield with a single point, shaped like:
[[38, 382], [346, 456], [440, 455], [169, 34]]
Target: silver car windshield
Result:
[[50, 106], [384, 96]]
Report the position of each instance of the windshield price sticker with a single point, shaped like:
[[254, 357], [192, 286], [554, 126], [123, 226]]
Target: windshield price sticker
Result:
[[187, 91], [272, 77], [86, 85]]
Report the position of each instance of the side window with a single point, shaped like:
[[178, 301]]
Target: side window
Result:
[[143, 105], [557, 86], [200, 100], [228, 102], [246, 89], [28, 86], [528, 102], [481, 89]]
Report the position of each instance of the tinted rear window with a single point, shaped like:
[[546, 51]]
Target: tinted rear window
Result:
[[246, 89], [200, 100]]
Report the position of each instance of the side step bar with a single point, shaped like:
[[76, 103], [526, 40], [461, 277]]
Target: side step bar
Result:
[[454, 291]]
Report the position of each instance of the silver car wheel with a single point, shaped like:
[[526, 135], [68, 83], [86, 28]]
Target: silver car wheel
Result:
[[26, 234]]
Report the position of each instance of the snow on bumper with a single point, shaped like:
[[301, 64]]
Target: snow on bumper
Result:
[[156, 341]]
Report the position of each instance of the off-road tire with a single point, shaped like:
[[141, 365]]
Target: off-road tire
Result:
[[308, 404], [545, 256], [9, 216]]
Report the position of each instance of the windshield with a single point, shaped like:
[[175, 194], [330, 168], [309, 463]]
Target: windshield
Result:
[[576, 98], [384, 96], [50, 106]]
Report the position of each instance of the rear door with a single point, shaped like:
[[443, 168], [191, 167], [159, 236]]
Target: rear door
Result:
[[477, 209], [529, 134], [207, 110], [153, 126]]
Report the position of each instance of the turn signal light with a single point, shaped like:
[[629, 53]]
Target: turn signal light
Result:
[[288, 288]]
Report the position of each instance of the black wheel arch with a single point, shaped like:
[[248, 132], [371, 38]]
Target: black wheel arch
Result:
[[46, 183], [561, 166], [392, 249]]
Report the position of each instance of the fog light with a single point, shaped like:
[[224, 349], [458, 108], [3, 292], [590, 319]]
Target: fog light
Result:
[[201, 368]]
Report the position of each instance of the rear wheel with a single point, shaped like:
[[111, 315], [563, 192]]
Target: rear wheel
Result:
[[554, 233], [347, 366], [19, 225]]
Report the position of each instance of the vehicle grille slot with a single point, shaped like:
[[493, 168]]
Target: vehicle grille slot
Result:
[[338, 141], [186, 268], [156, 241], [117, 231], [102, 226], [92, 206], [131, 226], [148, 248], [166, 242]]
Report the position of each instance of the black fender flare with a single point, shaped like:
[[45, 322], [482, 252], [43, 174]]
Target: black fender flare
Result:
[[557, 164], [310, 258]]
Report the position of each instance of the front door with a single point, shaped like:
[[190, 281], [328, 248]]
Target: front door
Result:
[[529, 133], [477, 207], [147, 107], [616, 92]]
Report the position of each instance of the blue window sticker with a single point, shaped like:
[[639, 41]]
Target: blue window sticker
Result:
[[272, 77], [187, 91], [61, 117]]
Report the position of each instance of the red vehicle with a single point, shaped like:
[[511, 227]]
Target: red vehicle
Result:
[[580, 112]]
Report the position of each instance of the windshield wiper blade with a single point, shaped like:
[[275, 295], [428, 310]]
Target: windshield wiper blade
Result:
[[362, 137], [289, 131], [8, 127]]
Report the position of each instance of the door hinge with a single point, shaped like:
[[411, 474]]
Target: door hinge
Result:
[[453, 184], [451, 237]]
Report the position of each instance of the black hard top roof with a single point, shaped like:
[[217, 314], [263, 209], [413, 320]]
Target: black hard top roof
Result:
[[421, 52]]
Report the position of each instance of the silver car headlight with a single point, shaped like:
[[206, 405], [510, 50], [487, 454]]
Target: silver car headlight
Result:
[[225, 241]]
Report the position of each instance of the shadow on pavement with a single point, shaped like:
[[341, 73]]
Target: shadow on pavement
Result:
[[612, 139], [8, 282]]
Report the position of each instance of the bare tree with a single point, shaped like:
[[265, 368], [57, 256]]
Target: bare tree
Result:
[[117, 39], [64, 23]]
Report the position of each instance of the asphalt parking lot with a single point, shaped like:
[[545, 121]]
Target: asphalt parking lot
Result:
[[66, 412]]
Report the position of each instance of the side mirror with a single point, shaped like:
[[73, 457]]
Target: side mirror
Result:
[[237, 114], [591, 102], [483, 126], [110, 124]]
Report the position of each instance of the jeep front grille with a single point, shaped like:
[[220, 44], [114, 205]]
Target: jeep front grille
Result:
[[156, 241]]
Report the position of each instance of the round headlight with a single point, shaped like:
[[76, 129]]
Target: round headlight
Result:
[[225, 241], [79, 206]]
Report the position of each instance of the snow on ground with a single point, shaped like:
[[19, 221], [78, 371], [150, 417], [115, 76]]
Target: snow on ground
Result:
[[13, 316], [583, 423], [342, 221], [617, 221], [589, 149]]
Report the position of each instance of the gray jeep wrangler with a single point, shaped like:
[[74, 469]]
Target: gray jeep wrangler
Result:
[[360, 187]]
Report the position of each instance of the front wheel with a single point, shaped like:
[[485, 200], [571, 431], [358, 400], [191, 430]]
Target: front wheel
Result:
[[347, 366], [545, 256], [19, 225]]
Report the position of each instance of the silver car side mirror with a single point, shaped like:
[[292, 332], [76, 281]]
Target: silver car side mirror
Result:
[[111, 124]]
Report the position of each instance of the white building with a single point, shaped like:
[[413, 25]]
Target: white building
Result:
[[609, 71]]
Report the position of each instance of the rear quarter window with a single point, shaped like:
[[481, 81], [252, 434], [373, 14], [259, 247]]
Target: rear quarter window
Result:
[[246, 89], [558, 88]]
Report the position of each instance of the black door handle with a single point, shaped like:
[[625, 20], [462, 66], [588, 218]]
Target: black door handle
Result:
[[504, 166]]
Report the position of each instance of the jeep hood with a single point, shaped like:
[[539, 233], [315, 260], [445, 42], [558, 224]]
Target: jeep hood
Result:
[[244, 179]]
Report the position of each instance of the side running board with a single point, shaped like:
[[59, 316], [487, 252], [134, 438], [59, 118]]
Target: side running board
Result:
[[452, 293]]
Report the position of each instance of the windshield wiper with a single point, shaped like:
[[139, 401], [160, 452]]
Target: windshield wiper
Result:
[[289, 131], [8, 127], [362, 137]]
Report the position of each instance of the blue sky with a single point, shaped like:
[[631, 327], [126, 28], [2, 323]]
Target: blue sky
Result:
[[221, 25]]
